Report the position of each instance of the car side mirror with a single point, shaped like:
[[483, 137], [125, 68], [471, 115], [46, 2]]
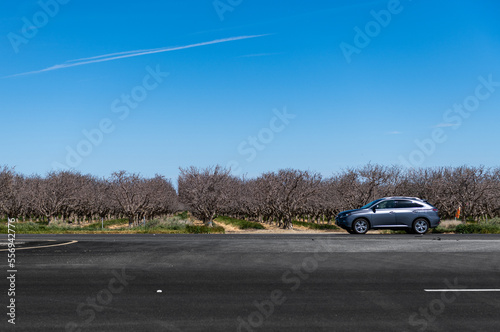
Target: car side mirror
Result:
[[374, 209]]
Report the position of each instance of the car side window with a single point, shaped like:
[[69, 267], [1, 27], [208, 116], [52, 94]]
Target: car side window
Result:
[[386, 205], [407, 204]]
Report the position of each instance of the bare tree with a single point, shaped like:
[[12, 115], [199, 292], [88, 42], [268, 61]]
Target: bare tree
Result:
[[12, 189], [204, 191], [288, 191], [130, 194], [50, 196], [163, 197]]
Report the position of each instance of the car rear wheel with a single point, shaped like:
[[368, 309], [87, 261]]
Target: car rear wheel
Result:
[[360, 226], [420, 226]]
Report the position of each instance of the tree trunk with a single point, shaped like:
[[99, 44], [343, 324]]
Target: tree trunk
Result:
[[288, 224]]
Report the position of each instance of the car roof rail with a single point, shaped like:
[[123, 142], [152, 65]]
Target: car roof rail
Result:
[[403, 197]]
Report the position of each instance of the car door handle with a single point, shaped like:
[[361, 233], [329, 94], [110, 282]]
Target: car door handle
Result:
[[392, 212]]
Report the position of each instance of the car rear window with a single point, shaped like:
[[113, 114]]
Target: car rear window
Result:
[[408, 204]]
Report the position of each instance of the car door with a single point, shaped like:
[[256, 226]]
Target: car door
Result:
[[406, 211], [383, 214]]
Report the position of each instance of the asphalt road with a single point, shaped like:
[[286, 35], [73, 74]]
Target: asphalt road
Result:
[[330, 282]]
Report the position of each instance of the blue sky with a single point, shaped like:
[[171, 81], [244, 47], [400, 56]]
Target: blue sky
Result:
[[257, 85]]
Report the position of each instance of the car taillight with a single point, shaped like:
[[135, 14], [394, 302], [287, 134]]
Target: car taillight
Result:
[[435, 210]]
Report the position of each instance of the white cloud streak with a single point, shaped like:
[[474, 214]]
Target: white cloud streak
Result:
[[129, 54]]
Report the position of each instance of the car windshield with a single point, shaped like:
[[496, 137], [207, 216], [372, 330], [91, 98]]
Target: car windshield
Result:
[[370, 204]]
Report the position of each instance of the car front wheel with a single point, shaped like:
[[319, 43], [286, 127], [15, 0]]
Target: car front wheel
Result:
[[420, 226], [360, 226]]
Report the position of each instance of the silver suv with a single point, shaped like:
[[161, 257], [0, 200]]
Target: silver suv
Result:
[[398, 213]]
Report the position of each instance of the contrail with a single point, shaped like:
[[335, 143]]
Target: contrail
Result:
[[129, 54]]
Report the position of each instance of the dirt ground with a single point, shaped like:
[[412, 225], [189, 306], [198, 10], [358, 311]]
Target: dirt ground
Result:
[[273, 229]]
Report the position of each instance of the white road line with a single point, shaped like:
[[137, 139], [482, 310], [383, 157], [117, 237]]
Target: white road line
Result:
[[50, 245], [462, 290]]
